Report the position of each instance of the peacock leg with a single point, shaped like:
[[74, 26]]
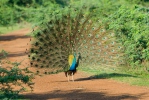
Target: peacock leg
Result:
[[72, 77], [68, 76]]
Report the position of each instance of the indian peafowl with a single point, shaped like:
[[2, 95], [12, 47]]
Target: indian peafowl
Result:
[[72, 38], [73, 65]]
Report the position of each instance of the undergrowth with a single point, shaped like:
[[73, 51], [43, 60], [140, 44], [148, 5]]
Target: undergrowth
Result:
[[136, 77], [13, 80]]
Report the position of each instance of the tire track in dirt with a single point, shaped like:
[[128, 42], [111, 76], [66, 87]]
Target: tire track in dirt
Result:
[[56, 87]]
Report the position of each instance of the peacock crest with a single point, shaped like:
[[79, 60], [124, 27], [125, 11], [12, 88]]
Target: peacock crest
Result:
[[71, 34]]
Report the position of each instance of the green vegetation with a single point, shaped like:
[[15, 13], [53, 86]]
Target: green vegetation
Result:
[[131, 77], [129, 19], [130, 26], [4, 30], [13, 80]]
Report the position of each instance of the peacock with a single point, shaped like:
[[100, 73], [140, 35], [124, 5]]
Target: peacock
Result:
[[74, 37], [73, 65]]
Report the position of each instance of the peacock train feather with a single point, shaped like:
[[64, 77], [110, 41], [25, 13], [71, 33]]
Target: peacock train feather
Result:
[[72, 34]]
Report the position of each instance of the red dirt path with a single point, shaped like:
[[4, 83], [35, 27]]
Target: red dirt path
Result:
[[56, 87]]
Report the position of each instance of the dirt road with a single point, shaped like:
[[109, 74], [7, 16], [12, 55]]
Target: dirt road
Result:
[[56, 87]]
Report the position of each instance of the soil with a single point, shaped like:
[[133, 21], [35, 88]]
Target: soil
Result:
[[56, 86]]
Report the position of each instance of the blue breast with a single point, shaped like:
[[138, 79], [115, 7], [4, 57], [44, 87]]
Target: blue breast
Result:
[[73, 66]]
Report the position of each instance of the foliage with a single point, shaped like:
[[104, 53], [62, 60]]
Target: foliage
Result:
[[140, 2], [130, 76], [4, 30], [13, 80], [130, 25], [63, 2], [17, 11]]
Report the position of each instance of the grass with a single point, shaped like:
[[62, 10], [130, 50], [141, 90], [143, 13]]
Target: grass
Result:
[[19, 97], [133, 77], [5, 30]]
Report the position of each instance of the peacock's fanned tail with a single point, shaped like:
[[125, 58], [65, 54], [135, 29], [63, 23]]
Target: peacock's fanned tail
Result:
[[69, 32]]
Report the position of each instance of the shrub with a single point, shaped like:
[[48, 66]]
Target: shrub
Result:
[[14, 80]]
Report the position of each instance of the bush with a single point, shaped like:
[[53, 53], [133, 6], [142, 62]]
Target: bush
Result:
[[131, 27], [14, 80]]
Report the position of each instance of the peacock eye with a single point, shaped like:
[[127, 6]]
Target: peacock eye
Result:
[[104, 38], [84, 41], [66, 23], [99, 50], [38, 34], [89, 21], [89, 35], [113, 50], [92, 42], [36, 44], [86, 46], [31, 63], [106, 46], [93, 28], [47, 57], [36, 65], [41, 66], [44, 61], [98, 20], [119, 47], [61, 36], [97, 36], [41, 40], [38, 60], [92, 53], [36, 52], [33, 58], [71, 34], [111, 56], [32, 50], [112, 43], [112, 34]]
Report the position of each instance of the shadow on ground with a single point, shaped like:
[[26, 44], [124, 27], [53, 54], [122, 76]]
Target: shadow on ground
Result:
[[105, 76], [13, 54], [79, 95], [17, 54], [11, 37]]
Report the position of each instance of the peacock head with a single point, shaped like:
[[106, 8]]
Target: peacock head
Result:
[[75, 54], [79, 57]]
